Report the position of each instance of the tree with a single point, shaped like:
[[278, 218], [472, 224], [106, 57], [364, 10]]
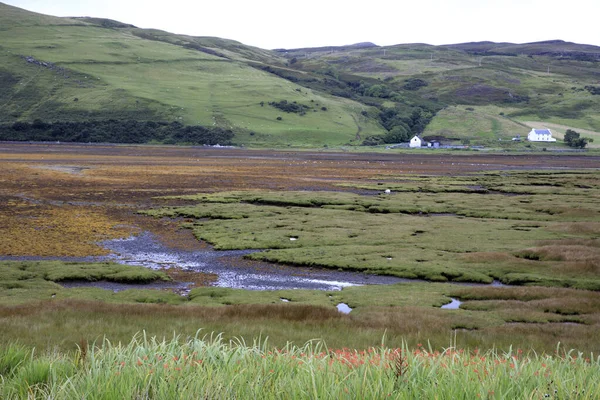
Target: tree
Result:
[[397, 134], [570, 136], [573, 139], [580, 143]]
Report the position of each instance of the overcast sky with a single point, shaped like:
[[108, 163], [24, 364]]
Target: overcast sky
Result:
[[273, 24]]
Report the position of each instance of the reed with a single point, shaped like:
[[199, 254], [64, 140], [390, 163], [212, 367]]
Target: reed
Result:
[[211, 367]]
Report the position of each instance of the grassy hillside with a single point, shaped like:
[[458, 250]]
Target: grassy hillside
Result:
[[93, 69], [80, 69], [491, 89]]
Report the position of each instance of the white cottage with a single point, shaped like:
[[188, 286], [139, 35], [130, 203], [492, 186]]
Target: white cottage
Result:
[[540, 135], [416, 142]]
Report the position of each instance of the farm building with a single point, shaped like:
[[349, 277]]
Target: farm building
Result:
[[540, 135], [417, 142]]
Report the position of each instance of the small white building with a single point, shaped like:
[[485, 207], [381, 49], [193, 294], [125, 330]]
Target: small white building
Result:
[[540, 135], [416, 142]]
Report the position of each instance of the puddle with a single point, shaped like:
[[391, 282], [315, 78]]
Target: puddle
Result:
[[453, 305], [67, 169], [285, 300], [344, 308]]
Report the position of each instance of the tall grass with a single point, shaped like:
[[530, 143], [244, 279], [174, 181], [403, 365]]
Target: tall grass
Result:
[[210, 367]]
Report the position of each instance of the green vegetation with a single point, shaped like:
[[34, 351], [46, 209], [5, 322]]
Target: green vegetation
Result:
[[44, 274], [211, 367], [519, 228], [507, 88], [83, 70], [93, 70], [573, 139], [292, 107], [114, 131]]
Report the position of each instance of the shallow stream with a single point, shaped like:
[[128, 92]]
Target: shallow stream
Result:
[[145, 250], [229, 266]]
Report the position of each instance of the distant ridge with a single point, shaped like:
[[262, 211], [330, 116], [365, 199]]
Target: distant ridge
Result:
[[554, 48], [361, 45], [104, 22]]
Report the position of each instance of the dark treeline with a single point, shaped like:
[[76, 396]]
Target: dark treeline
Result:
[[116, 131]]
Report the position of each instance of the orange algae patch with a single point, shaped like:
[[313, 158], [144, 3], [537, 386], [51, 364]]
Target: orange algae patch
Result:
[[40, 230]]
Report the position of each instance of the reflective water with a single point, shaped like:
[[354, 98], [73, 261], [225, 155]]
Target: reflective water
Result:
[[145, 250], [453, 305], [344, 308], [231, 269]]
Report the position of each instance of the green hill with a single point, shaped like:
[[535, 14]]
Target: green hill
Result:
[[489, 91], [91, 72], [58, 69]]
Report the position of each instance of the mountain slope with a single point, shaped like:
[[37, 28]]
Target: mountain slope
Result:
[[490, 89], [79, 69]]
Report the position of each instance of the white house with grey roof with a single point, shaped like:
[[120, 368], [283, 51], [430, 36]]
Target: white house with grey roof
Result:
[[540, 135], [416, 141]]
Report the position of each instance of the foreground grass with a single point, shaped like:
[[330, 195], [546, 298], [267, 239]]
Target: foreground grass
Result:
[[211, 367]]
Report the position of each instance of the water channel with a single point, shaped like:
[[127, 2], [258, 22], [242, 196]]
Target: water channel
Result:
[[145, 250]]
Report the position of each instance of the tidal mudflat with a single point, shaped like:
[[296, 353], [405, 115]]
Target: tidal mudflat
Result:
[[442, 221]]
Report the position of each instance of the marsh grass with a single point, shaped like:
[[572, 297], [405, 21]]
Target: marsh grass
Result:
[[212, 367], [32, 228], [437, 228], [58, 271], [405, 311], [11, 356]]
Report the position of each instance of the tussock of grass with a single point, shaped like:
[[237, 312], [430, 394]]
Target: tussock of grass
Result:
[[562, 253]]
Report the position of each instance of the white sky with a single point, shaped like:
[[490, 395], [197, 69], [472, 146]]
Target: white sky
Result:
[[273, 24]]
